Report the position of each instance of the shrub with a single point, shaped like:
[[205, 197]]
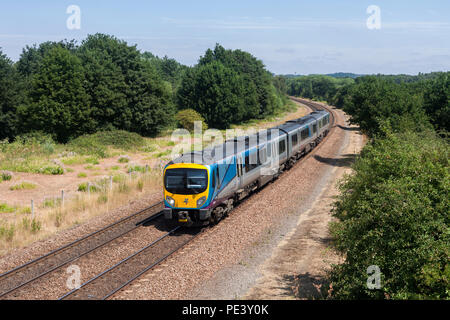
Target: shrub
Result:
[[124, 159], [187, 117], [393, 213], [6, 176], [23, 186], [82, 175], [97, 143], [7, 232], [140, 185], [4, 208], [83, 187]]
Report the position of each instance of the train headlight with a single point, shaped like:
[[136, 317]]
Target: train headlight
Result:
[[201, 202], [170, 201]]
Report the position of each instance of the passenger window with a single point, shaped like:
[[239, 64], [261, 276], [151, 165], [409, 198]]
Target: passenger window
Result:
[[305, 134], [281, 146], [294, 140]]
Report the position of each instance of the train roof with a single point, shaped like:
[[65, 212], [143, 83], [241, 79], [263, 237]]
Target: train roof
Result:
[[236, 145]]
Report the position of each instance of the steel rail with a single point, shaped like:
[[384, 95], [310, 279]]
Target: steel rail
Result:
[[6, 275]]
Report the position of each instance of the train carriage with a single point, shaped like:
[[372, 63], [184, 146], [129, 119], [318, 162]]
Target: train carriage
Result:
[[201, 187]]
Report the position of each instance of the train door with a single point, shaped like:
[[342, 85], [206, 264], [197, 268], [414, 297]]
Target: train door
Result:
[[240, 171]]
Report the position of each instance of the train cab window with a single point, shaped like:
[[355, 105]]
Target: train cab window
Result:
[[213, 178], [305, 134], [294, 140], [281, 146]]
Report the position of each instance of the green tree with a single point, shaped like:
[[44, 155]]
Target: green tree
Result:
[[218, 93], [437, 102], [126, 91], [373, 101], [252, 71], [10, 97], [58, 103]]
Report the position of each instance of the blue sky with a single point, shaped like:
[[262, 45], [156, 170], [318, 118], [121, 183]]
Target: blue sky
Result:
[[302, 37]]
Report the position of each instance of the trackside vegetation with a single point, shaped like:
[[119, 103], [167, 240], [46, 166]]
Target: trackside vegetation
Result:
[[393, 211]]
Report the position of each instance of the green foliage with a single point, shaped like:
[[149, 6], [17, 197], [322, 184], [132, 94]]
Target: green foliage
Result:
[[123, 159], [168, 69], [23, 186], [125, 90], [372, 101], [7, 232], [97, 143], [83, 187], [187, 117], [437, 102], [5, 176], [58, 103], [5, 208], [393, 213], [11, 85], [227, 87], [31, 224], [318, 87]]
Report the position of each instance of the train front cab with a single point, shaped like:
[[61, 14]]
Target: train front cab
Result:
[[187, 193]]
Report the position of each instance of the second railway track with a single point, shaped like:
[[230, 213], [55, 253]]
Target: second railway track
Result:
[[121, 274], [25, 274]]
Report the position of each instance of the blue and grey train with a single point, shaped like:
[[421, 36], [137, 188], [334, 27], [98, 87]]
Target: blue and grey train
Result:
[[201, 187]]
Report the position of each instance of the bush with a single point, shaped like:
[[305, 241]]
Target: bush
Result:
[[23, 186], [187, 117], [83, 187], [123, 159], [5, 176], [4, 208], [393, 213], [53, 170], [96, 144]]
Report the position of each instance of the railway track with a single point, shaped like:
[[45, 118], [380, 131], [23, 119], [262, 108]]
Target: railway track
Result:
[[126, 271], [28, 273], [110, 281]]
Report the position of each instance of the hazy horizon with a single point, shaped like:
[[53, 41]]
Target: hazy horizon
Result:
[[291, 37]]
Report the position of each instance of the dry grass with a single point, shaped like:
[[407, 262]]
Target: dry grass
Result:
[[21, 229]]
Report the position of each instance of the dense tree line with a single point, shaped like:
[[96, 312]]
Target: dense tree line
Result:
[[317, 87], [67, 89], [393, 211], [371, 100]]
